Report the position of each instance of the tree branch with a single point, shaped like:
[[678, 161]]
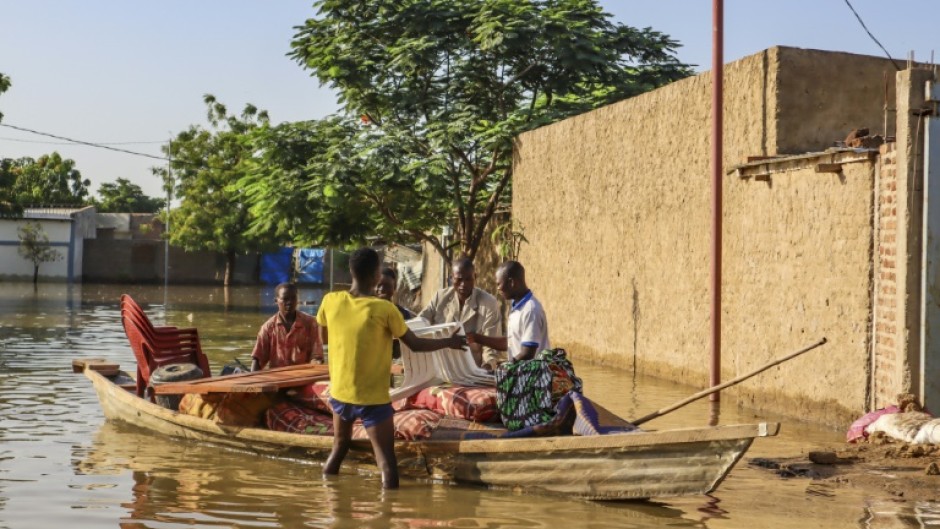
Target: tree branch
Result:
[[488, 211]]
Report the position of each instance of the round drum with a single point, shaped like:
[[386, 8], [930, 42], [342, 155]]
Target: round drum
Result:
[[173, 373]]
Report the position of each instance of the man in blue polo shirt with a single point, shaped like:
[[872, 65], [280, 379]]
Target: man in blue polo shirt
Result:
[[527, 327]]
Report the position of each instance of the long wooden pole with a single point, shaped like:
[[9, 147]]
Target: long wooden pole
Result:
[[713, 389]]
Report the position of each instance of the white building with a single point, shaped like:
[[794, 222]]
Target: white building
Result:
[[66, 228]]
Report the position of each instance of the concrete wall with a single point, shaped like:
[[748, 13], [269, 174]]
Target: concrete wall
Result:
[[616, 206], [15, 267], [142, 261]]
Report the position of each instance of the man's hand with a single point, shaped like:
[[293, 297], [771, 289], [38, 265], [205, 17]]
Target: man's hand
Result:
[[493, 342], [457, 341], [419, 345]]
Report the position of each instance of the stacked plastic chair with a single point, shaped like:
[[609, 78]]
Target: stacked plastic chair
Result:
[[423, 370], [155, 346]]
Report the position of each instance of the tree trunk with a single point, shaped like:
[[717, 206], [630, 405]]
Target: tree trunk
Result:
[[35, 274], [229, 267]]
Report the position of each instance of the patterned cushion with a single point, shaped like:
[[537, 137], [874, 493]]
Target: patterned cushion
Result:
[[294, 418], [470, 403], [410, 425], [473, 404], [315, 396]]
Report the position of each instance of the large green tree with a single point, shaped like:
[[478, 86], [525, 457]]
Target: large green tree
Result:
[[49, 180], [206, 162], [433, 94], [8, 205], [124, 196]]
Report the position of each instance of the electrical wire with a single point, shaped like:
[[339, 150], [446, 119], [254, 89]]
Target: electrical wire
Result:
[[862, 22], [21, 140], [88, 143]]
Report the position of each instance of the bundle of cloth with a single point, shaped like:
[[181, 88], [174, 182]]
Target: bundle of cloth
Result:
[[907, 422]]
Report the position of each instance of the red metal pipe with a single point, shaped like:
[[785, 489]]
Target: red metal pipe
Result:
[[717, 129]]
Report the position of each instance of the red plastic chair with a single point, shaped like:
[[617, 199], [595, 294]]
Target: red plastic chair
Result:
[[154, 347], [162, 336]]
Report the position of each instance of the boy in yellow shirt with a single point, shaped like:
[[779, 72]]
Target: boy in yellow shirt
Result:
[[359, 329]]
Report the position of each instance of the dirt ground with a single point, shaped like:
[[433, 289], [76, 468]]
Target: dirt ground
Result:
[[907, 472]]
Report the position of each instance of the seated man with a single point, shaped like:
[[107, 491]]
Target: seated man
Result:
[[527, 328], [385, 289], [388, 283], [288, 338], [475, 308]]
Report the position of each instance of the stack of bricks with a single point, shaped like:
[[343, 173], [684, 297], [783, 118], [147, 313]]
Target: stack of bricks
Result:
[[888, 362]]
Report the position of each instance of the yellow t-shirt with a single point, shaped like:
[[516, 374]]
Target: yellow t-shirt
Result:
[[360, 332]]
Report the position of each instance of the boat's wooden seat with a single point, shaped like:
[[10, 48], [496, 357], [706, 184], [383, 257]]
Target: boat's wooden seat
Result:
[[422, 370], [154, 346]]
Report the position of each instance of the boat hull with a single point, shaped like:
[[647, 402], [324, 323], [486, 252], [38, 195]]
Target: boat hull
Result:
[[608, 467]]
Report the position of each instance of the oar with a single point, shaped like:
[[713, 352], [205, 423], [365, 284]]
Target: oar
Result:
[[727, 384]]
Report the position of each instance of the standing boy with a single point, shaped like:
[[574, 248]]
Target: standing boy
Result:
[[359, 329]]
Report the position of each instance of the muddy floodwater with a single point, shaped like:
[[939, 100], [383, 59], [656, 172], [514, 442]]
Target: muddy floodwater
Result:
[[62, 465]]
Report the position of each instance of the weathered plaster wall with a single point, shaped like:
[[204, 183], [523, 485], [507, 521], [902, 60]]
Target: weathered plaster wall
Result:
[[616, 206], [822, 95], [798, 267]]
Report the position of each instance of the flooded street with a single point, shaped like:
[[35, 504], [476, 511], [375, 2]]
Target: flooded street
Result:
[[62, 465]]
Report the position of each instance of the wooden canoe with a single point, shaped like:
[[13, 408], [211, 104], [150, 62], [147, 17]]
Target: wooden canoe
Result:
[[606, 467]]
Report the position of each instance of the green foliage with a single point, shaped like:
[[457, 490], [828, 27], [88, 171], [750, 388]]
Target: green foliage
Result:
[[335, 182], [49, 181], [206, 162], [123, 196], [5, 84], [508, 238], [35, 247], [8, 204], [442, 88]]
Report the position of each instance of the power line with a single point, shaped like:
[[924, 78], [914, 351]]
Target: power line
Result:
[[862, 22], [21, 140], [88, 143]]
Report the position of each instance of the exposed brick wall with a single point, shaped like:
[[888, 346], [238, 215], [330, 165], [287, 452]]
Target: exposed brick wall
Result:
[[888, 362]]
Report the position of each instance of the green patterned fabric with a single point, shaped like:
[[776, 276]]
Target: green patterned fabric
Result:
[[527, 390]]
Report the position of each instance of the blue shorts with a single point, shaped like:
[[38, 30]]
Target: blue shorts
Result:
[[370, 415]]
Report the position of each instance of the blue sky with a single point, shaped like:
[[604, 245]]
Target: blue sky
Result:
[[119, 71]]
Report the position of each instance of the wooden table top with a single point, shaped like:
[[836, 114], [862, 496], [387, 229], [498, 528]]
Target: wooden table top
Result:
[[268, 380]]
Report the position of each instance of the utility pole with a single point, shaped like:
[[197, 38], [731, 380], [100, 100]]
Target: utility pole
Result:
[[166, 225], [716, 155]]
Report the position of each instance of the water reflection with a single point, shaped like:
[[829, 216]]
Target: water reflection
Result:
[[897, 515], [61, 464]]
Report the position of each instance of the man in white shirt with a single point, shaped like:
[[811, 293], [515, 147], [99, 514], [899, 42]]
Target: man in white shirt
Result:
[[527, 328], [475, 308]]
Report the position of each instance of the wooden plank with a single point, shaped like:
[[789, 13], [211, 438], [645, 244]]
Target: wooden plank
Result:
[[78, 365], [751, 159], [106, 368], [257, 382]]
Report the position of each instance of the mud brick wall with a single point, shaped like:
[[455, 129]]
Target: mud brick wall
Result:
[[616, 205]]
